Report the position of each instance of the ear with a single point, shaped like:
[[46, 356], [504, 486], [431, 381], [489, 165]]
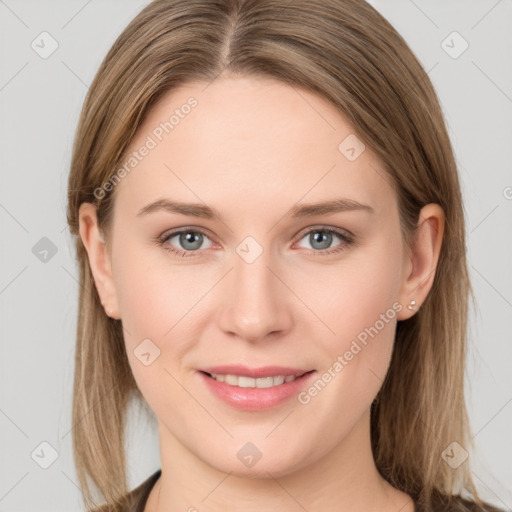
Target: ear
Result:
[[99, 258], [420, 261]]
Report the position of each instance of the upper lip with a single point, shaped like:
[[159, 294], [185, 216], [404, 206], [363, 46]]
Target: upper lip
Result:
[[263, 371]]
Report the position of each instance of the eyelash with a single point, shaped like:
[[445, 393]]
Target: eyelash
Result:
[[346, 239]]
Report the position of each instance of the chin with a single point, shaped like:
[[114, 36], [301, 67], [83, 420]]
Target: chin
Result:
[[258, 471], [247, 461]]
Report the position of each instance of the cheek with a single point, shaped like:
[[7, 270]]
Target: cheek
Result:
[[152, 294], [357, 302], [156, 330], [164, 303], [151, 304], [352, 296]]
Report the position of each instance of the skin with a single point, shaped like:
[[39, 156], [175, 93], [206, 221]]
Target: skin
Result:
[[253, 148]]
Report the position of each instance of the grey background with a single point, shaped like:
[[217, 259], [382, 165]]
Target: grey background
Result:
[[40, 100]]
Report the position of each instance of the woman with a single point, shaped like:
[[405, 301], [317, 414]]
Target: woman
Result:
[[283, 376]]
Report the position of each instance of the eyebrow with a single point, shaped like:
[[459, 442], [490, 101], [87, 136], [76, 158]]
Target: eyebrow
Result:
[[299, 210]]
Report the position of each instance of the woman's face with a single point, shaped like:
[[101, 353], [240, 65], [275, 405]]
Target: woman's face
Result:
[[272, 287]]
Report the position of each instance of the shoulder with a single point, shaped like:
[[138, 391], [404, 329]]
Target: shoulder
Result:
[[136, 499]]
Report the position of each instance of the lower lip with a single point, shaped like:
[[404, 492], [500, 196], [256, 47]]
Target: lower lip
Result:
[[256, 399]]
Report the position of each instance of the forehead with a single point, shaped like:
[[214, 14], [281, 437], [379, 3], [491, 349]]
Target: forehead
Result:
[[252, 138]]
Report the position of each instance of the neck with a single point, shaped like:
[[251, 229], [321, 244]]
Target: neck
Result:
[[345, 479]]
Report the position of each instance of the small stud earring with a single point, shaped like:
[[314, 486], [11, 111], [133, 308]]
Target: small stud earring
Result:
[[412, 305]]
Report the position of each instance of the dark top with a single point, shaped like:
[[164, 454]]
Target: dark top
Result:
[[140, 494]]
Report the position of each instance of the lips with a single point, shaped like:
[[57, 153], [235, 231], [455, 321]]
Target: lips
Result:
[[250, 382], [254, 389], [264, 371]]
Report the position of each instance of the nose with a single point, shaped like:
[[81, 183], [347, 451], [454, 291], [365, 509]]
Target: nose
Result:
[[255, 302]]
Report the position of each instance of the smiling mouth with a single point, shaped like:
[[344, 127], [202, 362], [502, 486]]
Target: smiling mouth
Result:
[[243, 381]]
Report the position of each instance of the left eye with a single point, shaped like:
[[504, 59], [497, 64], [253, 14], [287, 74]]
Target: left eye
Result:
[[321, 239]]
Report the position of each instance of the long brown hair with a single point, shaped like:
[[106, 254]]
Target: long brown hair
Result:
[[345, 51]]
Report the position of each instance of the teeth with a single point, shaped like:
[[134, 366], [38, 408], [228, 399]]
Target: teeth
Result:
[[250, 382], [231, 380]]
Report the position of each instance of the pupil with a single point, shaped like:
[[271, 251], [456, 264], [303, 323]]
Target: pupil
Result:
[[191, 238], [318, 238]]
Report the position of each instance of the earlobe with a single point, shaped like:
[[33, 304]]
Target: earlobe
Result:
[[99, 259], [422, 259]]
